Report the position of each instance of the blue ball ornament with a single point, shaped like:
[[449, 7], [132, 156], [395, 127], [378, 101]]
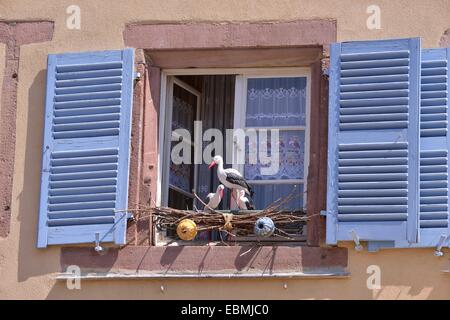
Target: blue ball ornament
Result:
[[264, 227]]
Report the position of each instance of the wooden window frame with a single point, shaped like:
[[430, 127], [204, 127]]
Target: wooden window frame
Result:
[[165, 132], [168, 79]]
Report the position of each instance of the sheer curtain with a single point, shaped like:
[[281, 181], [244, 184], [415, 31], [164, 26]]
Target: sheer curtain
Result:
[[277, 103]]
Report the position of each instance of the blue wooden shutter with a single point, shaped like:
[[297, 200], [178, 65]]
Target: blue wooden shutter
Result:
[[84, 182], [373, 147], [434, 146], [434, 160]]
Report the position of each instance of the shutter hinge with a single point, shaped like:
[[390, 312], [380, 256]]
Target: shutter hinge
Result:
[[323, 213], [355, 237], [438, 252]]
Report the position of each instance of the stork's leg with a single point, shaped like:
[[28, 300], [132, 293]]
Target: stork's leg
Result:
[[232, 196]]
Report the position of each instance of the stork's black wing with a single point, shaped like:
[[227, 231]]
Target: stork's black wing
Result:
[[238, 180]]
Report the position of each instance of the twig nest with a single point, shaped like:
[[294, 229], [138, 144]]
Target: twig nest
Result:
[[264, 227], [187, 229]]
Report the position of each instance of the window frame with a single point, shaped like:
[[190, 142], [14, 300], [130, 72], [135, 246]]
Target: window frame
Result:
[[167, 80], [171, 81], [167, 76]]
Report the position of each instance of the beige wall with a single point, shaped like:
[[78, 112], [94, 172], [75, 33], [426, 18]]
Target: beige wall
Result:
[[26, 272]]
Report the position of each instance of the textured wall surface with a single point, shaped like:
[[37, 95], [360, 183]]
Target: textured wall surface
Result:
[[26, 272]]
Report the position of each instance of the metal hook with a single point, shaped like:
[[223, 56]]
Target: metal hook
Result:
[[137, 76], [355, 237], [438, 252], [98, 248]]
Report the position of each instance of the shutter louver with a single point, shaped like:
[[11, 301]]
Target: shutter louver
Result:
[[84, 185], [373, 180]]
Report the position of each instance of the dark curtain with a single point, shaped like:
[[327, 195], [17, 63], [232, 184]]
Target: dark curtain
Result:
[[217, 111]]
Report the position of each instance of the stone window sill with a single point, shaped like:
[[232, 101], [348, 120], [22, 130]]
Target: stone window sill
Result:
[[152, 262], [317, 274]]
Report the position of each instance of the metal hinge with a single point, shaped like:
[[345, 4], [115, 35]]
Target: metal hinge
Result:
[[98, 248], [438, 252], [137, 76], [355, 237]]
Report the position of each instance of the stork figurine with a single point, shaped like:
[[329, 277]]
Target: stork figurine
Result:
[[230, 178], [215, 198], [244, 202]]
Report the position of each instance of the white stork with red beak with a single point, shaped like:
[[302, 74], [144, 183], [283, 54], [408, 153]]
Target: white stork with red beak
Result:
[[230, 178]]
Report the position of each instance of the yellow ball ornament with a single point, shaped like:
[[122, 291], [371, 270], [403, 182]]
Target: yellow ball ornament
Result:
[[187, 229]]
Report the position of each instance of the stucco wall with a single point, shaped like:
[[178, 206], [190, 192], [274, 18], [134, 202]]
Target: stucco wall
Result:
[[26, 272]]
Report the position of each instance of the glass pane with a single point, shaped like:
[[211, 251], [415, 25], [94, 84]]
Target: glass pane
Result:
[[268, 193], [184, 109], [178, 200], [181, 175], [276, 102], [183, 117], [291, 156]]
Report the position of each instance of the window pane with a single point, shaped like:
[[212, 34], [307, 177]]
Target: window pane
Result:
[[291, 155], [268, 193], [276, 102], [184, 110], [178, 200], [181, 175]]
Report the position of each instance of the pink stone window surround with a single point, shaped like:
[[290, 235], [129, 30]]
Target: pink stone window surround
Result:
[[14, 34], [297, 43]]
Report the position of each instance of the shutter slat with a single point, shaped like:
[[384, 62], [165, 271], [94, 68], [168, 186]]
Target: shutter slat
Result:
[[88, 82], [373, 193], [92, 88], [87, 111], [376, 86], [87, 103], [81, 213], [85, 190], [81, 198], [89, 74], [384, 79], [84, 185]]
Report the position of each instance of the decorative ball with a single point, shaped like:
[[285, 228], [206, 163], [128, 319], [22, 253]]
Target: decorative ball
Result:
[[264, 227], [187, 229]]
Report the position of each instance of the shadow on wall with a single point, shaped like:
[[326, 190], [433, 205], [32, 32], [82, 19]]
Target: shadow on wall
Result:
[[412, 274], [33, 261]]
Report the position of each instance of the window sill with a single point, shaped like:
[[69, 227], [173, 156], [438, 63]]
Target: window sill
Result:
[[317, 274], [250, 261]]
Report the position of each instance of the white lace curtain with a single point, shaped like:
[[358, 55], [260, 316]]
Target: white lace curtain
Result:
[[277, 103]]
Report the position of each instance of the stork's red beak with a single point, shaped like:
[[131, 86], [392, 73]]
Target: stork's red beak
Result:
[[221, 193], [212, 164]]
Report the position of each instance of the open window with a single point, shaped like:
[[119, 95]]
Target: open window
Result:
[[269, 105]]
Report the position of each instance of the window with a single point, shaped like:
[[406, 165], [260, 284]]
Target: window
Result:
[[272, 103], [182, 177]]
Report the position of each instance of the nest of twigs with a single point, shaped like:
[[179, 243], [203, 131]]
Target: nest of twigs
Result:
[[234, 223]]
